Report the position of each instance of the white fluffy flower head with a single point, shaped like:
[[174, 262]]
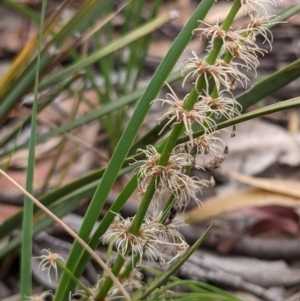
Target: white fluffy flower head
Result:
[[49, 261]]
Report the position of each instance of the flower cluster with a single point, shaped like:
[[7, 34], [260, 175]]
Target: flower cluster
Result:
[[171, 177], [214, 78], [177, 114], [49, 262], [221, 73], [153, 239]]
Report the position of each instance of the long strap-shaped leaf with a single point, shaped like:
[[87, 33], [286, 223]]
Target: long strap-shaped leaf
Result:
[[26, 252]]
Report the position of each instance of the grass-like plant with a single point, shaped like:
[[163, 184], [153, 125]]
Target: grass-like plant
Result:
[[160, 171]]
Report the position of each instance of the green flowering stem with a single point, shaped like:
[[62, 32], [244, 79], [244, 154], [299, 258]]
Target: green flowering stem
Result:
[[177, 130], [169, 146]]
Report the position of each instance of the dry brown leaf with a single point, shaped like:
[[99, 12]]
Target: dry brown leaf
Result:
[[290, 188], [239, 199]]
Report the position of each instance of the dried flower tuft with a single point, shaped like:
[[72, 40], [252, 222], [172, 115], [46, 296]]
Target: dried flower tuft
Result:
[[177, 114], [49, 261]]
